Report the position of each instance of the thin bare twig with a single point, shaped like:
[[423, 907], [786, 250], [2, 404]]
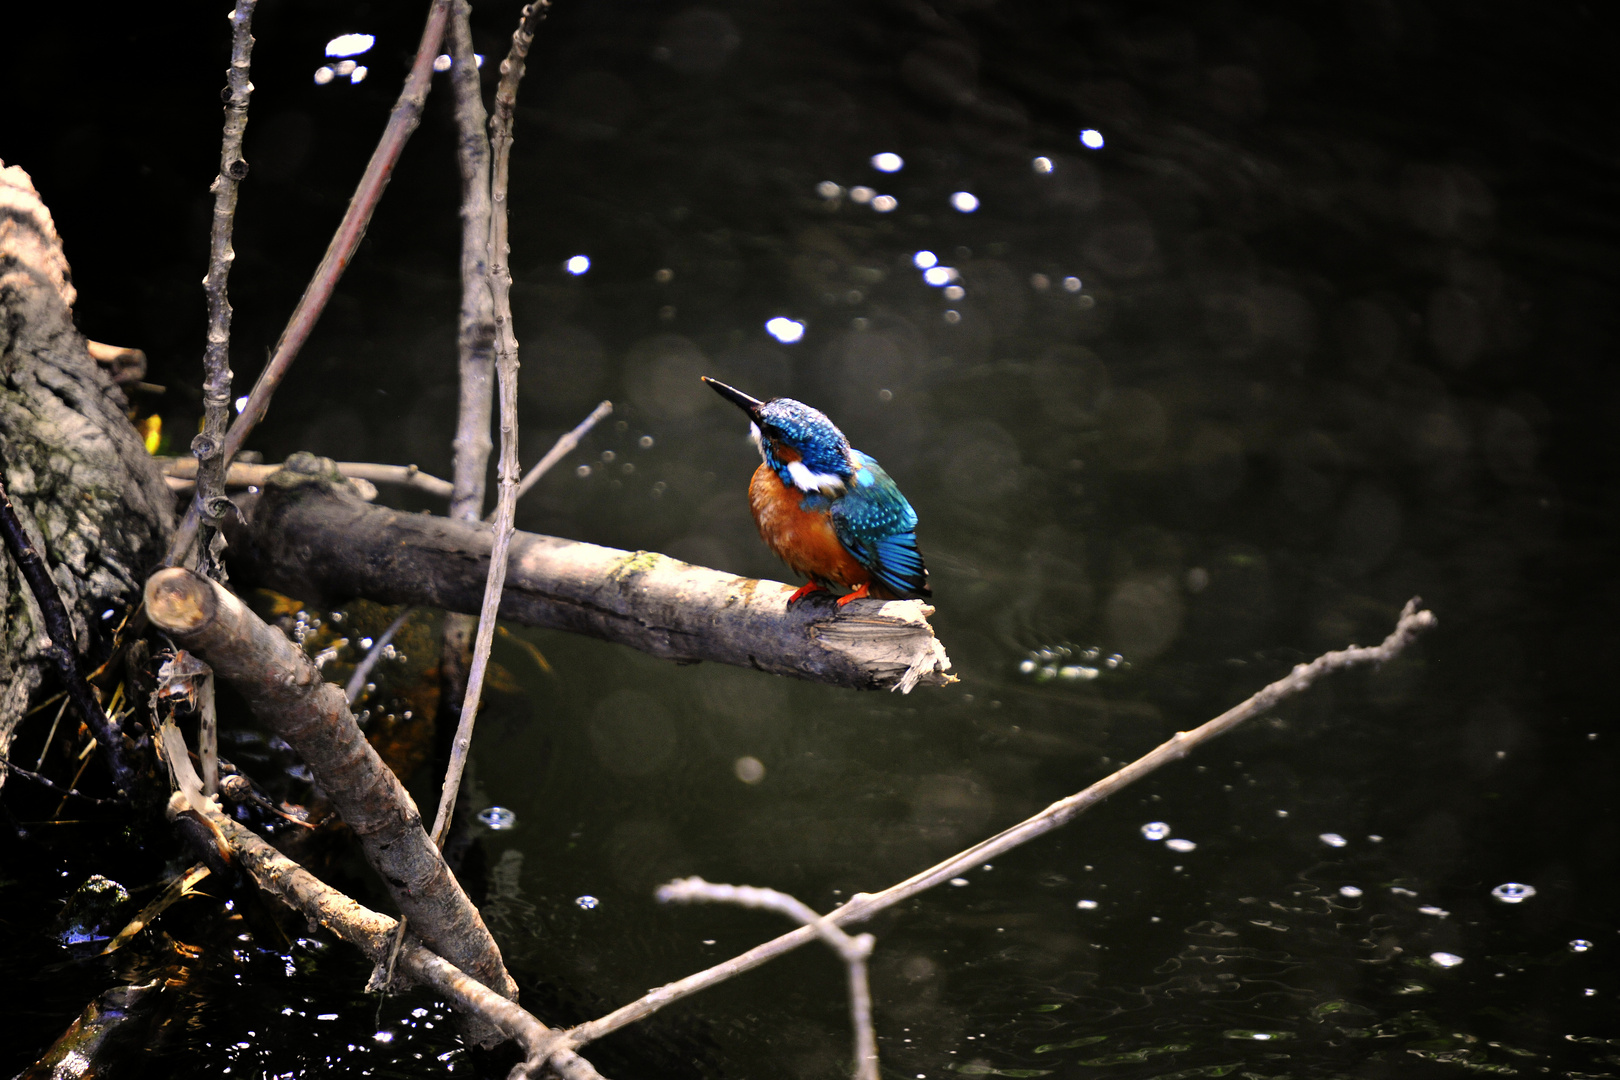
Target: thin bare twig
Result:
[[63, 650], [498, 281], [563, 447], [854, 949], [51, 785], [475, 340], [50, 736], [362, 670], [180, 471], [402, 122], [864, 905], [209, 503]]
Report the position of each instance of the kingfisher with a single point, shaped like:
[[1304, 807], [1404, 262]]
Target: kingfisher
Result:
[[826, 509]]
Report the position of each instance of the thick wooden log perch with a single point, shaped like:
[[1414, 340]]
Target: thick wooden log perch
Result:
[[287, 694], [310, 535]]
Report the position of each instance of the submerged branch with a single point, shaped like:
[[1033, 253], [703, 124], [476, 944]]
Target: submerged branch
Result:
[[309, 535]]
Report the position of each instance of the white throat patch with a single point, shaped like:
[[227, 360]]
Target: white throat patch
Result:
[[828, 484]]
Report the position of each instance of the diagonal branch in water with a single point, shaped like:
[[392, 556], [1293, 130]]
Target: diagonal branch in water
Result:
[[1412, 622]]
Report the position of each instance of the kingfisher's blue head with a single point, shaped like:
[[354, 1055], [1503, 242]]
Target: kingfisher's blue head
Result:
[[803, 447]]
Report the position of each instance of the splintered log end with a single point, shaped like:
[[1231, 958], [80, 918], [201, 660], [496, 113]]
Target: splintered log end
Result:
[[180, 602], [895, 644]]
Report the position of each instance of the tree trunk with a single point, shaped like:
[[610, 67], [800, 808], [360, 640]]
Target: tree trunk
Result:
[[92, 500]]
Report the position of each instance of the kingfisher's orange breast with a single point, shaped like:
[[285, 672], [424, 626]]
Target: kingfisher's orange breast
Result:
[[804, 539]]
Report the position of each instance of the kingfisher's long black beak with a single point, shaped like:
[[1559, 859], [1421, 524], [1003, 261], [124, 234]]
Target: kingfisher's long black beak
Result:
[[736, 397]]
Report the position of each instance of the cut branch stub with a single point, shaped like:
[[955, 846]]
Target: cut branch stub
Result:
[[287, 695], [310, 535]]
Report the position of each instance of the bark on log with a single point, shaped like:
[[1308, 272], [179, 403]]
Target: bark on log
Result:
[[91, 498], [310, 535], [287, 694]]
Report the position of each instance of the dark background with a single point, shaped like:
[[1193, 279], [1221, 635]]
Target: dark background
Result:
[[1346, 334]]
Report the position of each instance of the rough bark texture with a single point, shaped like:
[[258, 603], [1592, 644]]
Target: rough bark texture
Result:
[[286, 692], [311, 536], [91, 498]]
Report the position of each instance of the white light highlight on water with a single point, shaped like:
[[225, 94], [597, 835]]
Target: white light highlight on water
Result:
[[1091, 139], [1579, 945], [1349, 891], [940, 276], [1446, 959], [956, 292], [1333, 839], [861, 193], [1086, 905], [1155, 830], [924, 259], [883, 204], [587, 902], [887, 162], [323, 75], [1512, 892], [358, 74], [1071, 284], [350, 44], [1042, 165], [786, 330], [498, 818], [828, 190], [578, 264], [965, 201], [1179, 844]]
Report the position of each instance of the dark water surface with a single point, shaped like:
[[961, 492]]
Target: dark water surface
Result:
[[1326, 322]]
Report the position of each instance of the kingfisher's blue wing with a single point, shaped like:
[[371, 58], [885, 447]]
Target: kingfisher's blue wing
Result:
[[878, 526]]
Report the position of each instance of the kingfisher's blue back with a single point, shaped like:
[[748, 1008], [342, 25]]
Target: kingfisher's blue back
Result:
[[826, 509]]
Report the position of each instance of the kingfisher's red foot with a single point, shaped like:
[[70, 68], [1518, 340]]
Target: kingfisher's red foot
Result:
[[802, 591], [861, 590]]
